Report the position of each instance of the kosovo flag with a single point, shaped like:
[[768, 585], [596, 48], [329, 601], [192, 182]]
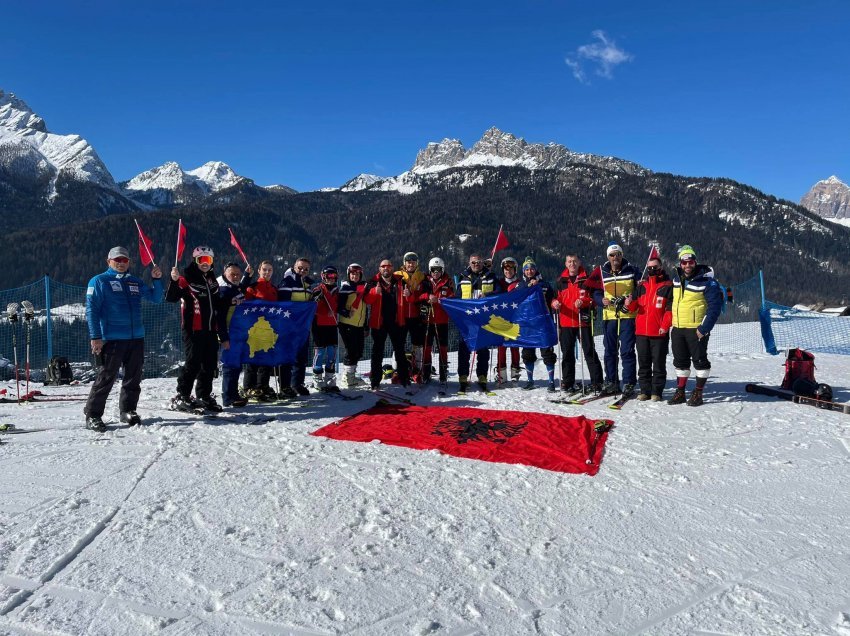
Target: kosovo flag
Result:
[[267, 333], [516, 319]]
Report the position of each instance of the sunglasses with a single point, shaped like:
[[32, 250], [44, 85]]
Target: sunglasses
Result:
[[204, 260], [435, 270], [352, 270], [121, 260], [615, 254], [685, 261], [475, 263]]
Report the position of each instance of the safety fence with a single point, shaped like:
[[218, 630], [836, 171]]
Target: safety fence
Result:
[[749, 324]]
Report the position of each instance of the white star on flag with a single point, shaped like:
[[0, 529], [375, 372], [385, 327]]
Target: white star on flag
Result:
[[286, 314], [476, 310], [514, 305], [504, 305], [469, 312]]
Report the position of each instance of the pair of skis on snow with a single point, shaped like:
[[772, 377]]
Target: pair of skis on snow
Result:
[[577, 398], [759, 389], [12, 311]]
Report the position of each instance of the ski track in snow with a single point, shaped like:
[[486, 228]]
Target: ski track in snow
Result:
[[727, 519]]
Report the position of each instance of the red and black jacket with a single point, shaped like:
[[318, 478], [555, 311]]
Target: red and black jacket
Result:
[[377, 291], [653, 301], [199, 299], [261, 289], [444, 287], [327, 298], [568, 290]]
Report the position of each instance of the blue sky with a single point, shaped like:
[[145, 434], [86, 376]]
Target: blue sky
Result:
[[311, 94]]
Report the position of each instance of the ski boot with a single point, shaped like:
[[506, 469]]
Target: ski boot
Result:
[[696, 398], [131, 417], [95, 423], [678, 397]]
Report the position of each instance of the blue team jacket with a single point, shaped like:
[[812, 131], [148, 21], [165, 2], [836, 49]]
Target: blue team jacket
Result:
[[114, 305]]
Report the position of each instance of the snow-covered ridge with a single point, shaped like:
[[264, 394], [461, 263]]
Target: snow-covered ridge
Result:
[[210, 177], [495, 148]]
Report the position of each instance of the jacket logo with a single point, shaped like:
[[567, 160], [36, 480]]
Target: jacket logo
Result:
[[134, 289], [475, 428], [116, 286]]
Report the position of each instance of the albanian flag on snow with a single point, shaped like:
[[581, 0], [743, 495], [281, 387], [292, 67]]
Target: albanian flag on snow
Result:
[[516, 319], [551, 442]]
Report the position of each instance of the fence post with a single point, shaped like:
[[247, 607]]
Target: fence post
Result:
[[47, 316], [761, 283]]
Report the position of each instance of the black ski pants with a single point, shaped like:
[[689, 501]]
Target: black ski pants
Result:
[[201, 349], [687, 349], [397, 336], [568, 336], [353, 338], [117, 353], [256, 376], [652, 363], [482, 361]]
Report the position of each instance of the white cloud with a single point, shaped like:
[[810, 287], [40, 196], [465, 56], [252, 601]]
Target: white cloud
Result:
[[603, 56]]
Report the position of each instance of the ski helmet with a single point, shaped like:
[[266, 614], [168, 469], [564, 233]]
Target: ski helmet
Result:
[[824, 392], [354, 267], [436, 262], [202, 250], [509, 260], [330, 274]]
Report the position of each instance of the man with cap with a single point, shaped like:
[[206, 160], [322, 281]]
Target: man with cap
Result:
[[197, 292], [114, 316], [531, 278], [413, 277], [697, 303], [619, 280]]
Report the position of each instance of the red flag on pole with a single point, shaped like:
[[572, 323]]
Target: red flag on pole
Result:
[[501, 243], [181, 242], [145, 248], [594, 281], [235, 244], [653, 253]]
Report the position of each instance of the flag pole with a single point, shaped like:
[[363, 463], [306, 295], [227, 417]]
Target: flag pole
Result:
[[649, 258], [233, 240], [177, 251], [493, 253], [145, 243]]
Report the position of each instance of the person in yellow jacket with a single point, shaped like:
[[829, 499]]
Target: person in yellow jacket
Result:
[[697, 303], [352, 322]]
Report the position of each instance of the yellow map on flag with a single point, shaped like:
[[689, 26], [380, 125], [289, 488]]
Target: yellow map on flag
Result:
[[261, 336]]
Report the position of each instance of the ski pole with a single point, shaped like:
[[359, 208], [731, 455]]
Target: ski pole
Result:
[[581, 352], [12, 314], [29, 314], [600, 427]]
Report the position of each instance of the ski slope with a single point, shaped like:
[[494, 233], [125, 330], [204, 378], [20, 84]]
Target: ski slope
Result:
[[730, 518]]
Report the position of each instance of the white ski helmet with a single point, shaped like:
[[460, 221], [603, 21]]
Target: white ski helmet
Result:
[[436, 262], [510, 260], [202, 250]]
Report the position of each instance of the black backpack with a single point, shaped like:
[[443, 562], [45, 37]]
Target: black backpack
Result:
[[59, 371]]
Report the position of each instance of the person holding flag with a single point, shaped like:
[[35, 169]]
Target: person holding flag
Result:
[[475, 282], [325, 333], [117, 335], [257, 376], [507, 283], [231, 289], [296, 286], [531, 277], [438, 286], [618, 279], [413, 324], [197, 292]]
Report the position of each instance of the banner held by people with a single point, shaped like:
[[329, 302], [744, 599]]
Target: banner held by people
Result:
[[546, 441], [268, 333], [517, 319]]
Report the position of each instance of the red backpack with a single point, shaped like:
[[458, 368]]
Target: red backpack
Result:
[[799, 364]]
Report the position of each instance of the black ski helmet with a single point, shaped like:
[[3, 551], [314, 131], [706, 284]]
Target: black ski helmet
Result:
[[330, 274], [824, 392]]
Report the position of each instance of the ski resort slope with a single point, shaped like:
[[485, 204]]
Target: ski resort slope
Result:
[[730, 518]]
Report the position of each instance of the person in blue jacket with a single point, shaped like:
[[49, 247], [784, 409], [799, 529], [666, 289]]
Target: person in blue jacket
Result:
[[114, 316]]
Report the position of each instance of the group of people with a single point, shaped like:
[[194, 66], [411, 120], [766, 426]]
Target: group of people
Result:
[[643, 313]]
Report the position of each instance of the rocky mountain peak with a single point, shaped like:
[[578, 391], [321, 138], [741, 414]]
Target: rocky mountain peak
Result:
[[16, 115], [500, 144], [447, 153], [830, 199]]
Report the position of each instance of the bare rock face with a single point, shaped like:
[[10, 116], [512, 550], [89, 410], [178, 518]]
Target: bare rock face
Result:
[[829, 198]]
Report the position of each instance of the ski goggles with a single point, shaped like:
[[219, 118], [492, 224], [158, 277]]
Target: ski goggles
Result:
[[204, 260], [687, 259], [436, 270], [121, 259]]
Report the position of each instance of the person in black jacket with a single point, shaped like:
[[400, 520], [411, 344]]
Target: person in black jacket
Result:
[[197, 291], [476, 281], [231, 291]]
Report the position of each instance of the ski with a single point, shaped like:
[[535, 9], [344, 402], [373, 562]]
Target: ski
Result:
[[782, 394], [616, 406], [390, 396], [341, 396], [592, 398]]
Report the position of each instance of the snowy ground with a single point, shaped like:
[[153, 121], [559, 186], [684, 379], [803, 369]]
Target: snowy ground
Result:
[[731, 518]]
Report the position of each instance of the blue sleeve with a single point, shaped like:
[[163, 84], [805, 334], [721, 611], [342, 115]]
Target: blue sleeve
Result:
[[94, 308], [152, 294], [714, 298]]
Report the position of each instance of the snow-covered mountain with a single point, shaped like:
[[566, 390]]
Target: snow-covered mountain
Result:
[[495, 148], [829, 198], [169, 185], [46, 173]]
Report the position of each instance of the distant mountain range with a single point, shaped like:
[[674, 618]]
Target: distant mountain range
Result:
[[830, 199], [68, 211]]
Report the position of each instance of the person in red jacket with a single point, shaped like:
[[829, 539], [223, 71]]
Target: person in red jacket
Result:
[[573, 302], [437, 286], [325, 328], [653, 300], [256, 378], [387, 318]]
